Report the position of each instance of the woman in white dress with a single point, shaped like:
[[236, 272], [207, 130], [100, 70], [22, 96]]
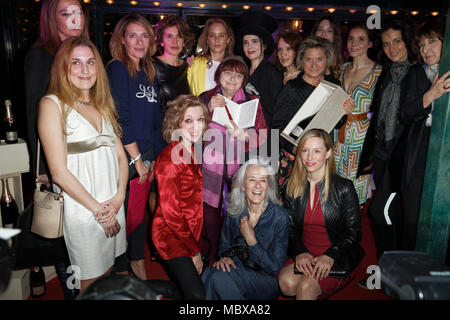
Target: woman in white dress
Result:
[[80, 135]]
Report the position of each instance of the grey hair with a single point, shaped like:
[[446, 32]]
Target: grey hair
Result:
[[314, 42], [238, 201]]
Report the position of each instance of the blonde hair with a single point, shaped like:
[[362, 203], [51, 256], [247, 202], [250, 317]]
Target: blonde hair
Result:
[[297, 182], [203, 40], [175, 114], [118, 51], [48, 27], [68, 94]]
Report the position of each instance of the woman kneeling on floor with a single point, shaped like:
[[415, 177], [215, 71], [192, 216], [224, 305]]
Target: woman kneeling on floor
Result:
[[254, 239]]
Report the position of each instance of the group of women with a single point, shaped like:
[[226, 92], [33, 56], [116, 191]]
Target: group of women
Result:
[[145, 115]]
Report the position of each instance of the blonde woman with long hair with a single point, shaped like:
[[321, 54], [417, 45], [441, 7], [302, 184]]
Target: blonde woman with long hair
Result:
[[325, 224], [86, 157], [215, 43], [134, 87]]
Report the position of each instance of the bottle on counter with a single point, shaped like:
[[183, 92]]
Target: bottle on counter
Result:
[[8, 206], [9, 124], [37, 282]]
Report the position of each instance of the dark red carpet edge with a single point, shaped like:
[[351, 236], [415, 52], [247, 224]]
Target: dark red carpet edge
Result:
[[351, 292]]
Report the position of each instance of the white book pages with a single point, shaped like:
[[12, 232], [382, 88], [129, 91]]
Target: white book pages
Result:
[[244, 114]]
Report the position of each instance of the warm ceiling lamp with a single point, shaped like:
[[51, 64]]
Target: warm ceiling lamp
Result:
[[289, 9], [352, 11], [161, 17], [331, 10], [110, 1], [310, 9], [156, 3], [394, 12], [224, 6], [202, 5], [179, 4], [414, 12], [267, 8], [373, 11], [37, 0], [435, 13], [245, 7], [134, 2], [86, 1]]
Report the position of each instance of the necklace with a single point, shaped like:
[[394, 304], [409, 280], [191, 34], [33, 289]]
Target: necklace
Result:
[[85, 103]]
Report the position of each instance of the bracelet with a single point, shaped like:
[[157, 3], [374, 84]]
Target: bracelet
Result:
[[133, 161]]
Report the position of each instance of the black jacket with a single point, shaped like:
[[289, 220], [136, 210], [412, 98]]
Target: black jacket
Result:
[[268, 82], [172, 81], [342, 222], [413, 116]]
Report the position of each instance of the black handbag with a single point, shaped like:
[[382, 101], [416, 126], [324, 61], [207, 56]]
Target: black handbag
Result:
[[31, 250]]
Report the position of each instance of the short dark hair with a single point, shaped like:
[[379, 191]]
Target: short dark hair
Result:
[[233, 63], [183, 30]]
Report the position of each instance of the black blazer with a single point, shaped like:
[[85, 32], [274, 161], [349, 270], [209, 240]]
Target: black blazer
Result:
[[342, 222], [413, 116]]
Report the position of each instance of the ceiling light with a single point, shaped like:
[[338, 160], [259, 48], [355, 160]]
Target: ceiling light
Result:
[[394, 12], [156, 3], [331, 10], [289, 9], [267, 8], [352, 11], [245, 7], [435, 13], [310, 9], [414, 12]]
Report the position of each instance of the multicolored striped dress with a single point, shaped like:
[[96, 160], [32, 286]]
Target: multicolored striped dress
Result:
[[349, 139]]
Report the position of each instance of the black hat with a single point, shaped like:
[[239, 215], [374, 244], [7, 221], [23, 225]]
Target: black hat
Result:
[[256, 23]]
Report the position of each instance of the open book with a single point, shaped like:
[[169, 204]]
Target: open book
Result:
[[322, 110], [244, 114]]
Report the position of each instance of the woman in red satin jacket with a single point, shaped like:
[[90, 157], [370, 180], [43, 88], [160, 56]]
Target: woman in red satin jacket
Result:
[[178, 219]]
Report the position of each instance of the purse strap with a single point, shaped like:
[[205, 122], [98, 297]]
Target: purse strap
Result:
[[38, 184]]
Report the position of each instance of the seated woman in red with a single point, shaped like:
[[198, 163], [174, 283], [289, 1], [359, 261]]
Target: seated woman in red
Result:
[[325, 224], [178, 219]]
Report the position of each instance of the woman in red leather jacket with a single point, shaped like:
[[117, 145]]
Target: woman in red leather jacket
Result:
[[178, 219], [325, 224]]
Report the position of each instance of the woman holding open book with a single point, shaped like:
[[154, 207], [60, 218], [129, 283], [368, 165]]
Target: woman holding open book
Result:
[[314, 57], [231, 76]]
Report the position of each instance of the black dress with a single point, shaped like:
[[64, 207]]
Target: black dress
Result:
[[172, 81], [413, 115], [267, 80], [37, 66]]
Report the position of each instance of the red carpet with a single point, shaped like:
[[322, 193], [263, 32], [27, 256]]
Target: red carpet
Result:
[[351, 292]]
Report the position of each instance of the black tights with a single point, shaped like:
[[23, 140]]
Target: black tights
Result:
[[183, 271]]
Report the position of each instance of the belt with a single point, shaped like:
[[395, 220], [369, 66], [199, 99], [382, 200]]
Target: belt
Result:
[[350, 118]]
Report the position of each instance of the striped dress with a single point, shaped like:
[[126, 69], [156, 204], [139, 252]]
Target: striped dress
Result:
[[348, 151]]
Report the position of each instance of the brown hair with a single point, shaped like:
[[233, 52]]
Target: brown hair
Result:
[[429, 29], [233, 63], [296, 185], [175, 114], [337, 44], [68, 94], [48, 29], [203, 39], [183, 30], [118, 51], [293, 39]]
